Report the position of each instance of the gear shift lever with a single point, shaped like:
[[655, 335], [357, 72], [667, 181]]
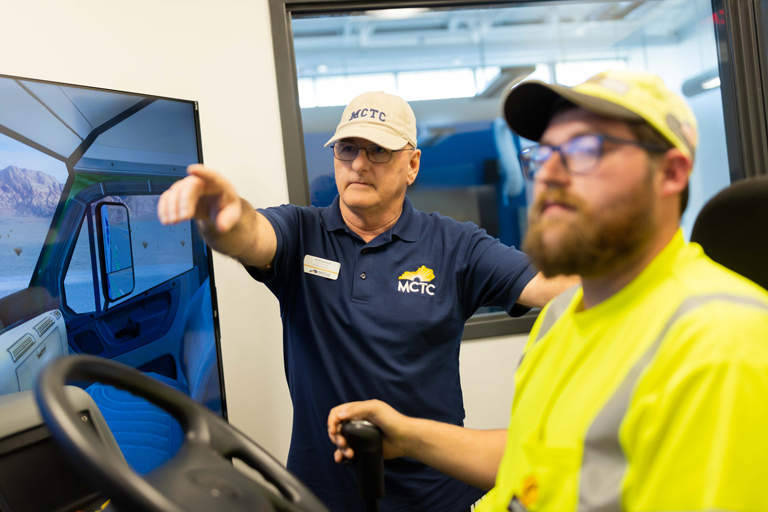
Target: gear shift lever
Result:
[[365, 439]]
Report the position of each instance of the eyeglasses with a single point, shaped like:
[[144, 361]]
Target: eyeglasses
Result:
[[376, 154], [579, 155]]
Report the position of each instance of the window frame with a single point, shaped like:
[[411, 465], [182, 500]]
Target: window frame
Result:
[[739, 63]]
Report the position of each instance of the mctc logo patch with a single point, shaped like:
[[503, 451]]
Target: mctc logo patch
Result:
[[417, 282], [369, 112]]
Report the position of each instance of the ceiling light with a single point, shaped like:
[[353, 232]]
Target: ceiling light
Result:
[[396, 14], [701, 83], [711, 83]]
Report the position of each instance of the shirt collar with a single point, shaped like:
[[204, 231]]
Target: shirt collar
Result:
[[331, 216], [409, 224], [406, 228]]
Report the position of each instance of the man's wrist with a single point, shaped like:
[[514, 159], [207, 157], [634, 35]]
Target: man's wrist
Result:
[[410, 436]]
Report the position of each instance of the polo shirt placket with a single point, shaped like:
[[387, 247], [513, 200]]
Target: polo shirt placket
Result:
[[362, 283]]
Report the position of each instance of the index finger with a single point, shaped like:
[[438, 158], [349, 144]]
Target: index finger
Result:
[[214, 181], [172, 207], [336, 416], [334, 422]]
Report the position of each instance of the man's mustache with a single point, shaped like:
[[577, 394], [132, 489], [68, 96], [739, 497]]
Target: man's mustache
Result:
[[555, 196]]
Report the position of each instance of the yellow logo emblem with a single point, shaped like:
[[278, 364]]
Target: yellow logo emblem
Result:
[[419, 281], [424, 274]]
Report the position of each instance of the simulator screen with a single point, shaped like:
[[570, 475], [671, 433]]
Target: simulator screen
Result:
[[85, 265]]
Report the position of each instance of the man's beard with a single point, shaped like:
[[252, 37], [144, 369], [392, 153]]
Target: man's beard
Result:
[[594, 243]]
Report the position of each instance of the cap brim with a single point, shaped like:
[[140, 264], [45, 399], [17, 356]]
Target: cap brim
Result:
[[528, 107], [375, 135]]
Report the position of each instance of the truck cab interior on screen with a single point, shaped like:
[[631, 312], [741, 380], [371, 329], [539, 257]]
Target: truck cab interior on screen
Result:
[[88, 267], [103, 108]]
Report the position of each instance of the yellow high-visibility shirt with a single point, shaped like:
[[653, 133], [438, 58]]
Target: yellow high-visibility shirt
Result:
[[654, 400]]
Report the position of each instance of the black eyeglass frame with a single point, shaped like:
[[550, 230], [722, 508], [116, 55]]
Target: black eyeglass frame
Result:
[[367, 152], [526, 163]]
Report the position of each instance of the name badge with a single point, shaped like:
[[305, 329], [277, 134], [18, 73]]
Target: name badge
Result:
[[320, 267]]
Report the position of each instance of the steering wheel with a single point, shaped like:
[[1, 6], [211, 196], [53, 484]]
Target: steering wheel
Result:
[[199, 478]]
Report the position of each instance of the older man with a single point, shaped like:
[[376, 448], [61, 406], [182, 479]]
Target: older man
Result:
[[373, 295], [645, 388]]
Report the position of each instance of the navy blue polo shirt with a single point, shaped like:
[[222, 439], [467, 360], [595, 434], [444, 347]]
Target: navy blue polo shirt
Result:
[[389, 327]]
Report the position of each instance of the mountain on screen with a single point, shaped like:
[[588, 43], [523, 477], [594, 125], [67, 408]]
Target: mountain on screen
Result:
[[24, 192], [29, 193]]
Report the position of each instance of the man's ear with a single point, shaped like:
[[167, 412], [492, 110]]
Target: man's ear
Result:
[[674, 172], [413, 166]]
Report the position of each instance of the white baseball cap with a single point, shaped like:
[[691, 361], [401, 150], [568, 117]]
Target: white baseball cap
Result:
[[384, 119]]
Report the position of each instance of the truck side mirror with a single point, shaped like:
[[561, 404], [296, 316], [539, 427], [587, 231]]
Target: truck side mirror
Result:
[[114, 230]]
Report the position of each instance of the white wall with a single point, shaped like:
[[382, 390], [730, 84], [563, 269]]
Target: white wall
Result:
[[488, 379], [220, 54]]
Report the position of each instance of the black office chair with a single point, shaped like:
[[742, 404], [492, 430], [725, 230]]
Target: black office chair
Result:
[[733, 229]]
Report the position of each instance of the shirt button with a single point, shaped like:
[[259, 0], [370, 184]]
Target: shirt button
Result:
[[362, 276], [365, 251]]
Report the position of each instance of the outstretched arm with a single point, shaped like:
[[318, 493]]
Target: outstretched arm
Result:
[[225, 220], [472, 456]]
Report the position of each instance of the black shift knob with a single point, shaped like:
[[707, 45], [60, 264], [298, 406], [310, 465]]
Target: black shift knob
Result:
[[365, 439]]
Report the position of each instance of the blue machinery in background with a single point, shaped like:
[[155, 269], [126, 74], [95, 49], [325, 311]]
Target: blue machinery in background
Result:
[[475, 159]]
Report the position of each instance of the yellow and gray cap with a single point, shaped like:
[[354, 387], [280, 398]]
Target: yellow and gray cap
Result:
[[384, 119], [626, 95]]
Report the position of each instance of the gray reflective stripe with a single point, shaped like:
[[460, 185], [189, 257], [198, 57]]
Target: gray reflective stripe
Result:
[[604, 464], [557, 307]]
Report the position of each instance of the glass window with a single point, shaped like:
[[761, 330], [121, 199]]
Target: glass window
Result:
[[307, 93], [31, 183], [574, 72], [334, 90], [439, 84], [453, 66], [78, 281]]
